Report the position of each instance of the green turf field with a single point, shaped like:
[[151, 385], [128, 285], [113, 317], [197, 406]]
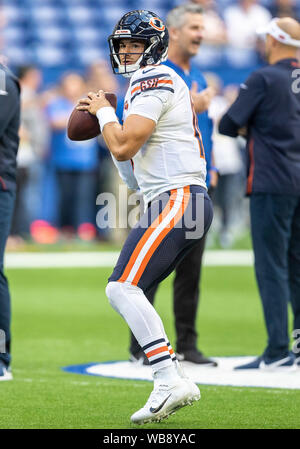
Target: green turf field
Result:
[[62, 317]]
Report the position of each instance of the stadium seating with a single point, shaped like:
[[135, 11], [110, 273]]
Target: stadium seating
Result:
[[55, 34]]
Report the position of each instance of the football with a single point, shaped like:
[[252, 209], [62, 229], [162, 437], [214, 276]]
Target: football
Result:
[[84, 126]]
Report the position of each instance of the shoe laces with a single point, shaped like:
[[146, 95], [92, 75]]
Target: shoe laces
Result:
[[158, 394]]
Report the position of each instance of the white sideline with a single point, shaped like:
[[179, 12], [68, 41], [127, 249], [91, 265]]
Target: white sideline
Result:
[[109, 259]]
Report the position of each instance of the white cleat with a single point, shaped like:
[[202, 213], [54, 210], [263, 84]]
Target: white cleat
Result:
[[166, 400], [5, 374], [194, 389], [181, 373]]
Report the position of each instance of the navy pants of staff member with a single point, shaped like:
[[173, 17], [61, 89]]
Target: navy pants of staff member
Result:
[[275, 228], [7, 200]]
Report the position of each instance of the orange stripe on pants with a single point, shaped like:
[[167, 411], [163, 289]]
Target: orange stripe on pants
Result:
[[161, 236], [147, 234]]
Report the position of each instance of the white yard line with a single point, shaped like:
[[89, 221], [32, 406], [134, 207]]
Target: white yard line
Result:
[[109, 259], [61, 260]]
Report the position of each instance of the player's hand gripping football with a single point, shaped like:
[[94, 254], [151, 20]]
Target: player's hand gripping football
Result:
[[93, 102]]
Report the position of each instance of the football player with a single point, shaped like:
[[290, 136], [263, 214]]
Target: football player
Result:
[[159, 150]]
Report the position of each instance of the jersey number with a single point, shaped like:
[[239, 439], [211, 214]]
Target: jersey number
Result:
[[149, 84]]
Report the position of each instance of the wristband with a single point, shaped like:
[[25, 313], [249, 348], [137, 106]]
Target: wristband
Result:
[[106, 115]]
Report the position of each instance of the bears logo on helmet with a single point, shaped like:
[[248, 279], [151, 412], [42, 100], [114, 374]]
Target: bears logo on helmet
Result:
[[156, 23]]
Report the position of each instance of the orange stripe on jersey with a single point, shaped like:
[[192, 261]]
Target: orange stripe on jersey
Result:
[[135, 89], [165, 82], [157, 82], [157, 351], [251, 169], [197, 132], [161, 236], [200, 136], [147, 234]]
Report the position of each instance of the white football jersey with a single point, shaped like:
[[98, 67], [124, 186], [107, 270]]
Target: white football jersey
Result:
[[173, 157]]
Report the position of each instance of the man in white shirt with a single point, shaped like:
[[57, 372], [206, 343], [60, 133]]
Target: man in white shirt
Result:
[[241, 22]]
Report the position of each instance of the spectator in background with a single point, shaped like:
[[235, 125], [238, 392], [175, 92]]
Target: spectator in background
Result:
[[285, 8], [34, 134], [227, 197], [242, 21], [99, 77], [75, 164], [214, 36], [215, 30], [2, 24]]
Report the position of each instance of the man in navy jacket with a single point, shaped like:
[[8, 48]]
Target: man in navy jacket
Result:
[[268, 108]]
